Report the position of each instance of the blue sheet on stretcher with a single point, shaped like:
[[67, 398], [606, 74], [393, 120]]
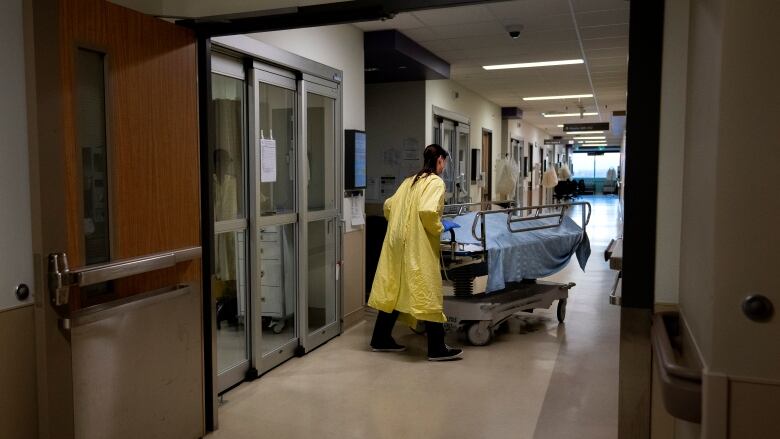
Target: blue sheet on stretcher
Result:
[[534, 254]]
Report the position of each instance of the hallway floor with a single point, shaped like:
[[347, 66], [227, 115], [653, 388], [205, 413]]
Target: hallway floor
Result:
[[536, 380]]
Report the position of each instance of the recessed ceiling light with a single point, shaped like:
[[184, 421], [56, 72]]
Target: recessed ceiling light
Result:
[[590, 138], [568, 114], [549, 98], [526, 65], [584, 132]]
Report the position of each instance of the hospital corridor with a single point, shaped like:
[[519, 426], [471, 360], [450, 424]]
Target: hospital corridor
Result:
[[349, 219], [535, 380]]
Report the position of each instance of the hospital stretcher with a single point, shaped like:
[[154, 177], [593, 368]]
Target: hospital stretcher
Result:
[[466, 263]]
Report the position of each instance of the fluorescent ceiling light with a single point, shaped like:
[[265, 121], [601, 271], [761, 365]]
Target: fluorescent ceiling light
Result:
[[550, 98], [590, 138], [586, 142], [596, 144], [560, 126], [584, 132], [568, 114], [525, 65]]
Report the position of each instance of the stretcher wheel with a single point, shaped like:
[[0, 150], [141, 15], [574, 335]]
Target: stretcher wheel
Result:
[[561, 310], [278, 326], [478, 333]]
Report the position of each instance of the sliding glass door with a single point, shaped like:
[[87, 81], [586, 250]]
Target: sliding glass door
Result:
[[322, 227], [277, 215], [275, 227], [229, 284]]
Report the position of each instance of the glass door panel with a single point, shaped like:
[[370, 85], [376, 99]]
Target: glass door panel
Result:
[[277, 286], [229, 280], [447, 130], [275, 221], [463, 160], [230, 292], [276, 141], [322, 271], [321, 227], [320, 151]]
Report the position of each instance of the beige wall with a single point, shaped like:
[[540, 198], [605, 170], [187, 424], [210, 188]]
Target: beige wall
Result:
[[18, 373], [671, 151], [728, 241], [729, 246], [746, 245], [698, 236]]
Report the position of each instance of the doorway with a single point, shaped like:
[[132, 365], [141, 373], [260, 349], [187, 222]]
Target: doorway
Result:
[[452, 131]]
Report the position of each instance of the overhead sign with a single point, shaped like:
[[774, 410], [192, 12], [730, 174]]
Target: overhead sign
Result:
[[596, 126], [554, 141]]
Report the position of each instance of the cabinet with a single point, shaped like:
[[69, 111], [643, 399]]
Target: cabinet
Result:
[[277, 285]]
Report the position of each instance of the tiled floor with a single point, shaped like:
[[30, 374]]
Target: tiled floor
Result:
[[537, 380]]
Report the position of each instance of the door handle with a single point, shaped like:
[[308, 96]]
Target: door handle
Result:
[[61, 277]]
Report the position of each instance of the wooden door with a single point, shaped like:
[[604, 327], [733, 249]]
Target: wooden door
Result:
[[118, 178]]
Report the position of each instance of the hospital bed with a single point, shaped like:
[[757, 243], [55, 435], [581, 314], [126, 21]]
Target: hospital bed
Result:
[[502, 251]]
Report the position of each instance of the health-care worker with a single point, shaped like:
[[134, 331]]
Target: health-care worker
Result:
[[407, 279]]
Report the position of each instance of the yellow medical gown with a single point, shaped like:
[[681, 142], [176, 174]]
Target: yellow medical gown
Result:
[[407, 277]]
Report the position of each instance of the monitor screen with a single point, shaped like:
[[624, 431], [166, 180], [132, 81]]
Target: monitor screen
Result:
[[360, 159]]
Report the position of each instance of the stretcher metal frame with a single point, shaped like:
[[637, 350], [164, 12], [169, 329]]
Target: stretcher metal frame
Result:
[[479, 315]]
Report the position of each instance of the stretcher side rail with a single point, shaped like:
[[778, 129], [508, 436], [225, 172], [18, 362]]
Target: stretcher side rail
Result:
[[512, 218], [453, 210]]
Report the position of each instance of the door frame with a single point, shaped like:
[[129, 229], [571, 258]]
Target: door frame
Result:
[[486, 165]]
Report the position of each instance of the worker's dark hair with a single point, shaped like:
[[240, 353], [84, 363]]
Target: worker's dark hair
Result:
[[430, 157]]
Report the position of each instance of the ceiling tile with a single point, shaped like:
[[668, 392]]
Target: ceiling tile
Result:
[[606, 43], [599, 5], [535, 24], [399, 22], [606, 31], [529, 10], [420, 34], [493, 27], [459, 15], [599, 18], [606, 53], [607, 62]]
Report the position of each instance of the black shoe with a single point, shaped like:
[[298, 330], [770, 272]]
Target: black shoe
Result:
[[447, 354], [390, 346]]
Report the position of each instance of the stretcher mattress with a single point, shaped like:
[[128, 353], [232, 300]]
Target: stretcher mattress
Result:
[[534, 254]]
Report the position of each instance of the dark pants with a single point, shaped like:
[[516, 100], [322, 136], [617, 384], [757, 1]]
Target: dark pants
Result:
[[383, 330]]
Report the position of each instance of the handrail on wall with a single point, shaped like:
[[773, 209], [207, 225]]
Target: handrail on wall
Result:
[[680, 385]]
